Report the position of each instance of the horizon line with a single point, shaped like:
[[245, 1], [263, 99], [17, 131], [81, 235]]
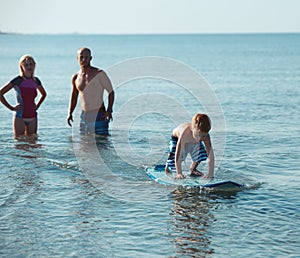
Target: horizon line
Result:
[[145, 34]]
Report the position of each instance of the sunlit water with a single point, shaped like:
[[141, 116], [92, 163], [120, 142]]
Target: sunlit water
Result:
[[61, 198]]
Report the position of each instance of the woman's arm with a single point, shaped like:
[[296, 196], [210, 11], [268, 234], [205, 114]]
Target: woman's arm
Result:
[[43, 96], [4, 90]]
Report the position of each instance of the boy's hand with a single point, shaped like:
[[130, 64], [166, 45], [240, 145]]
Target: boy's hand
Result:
[[208, 176], [180, 176]]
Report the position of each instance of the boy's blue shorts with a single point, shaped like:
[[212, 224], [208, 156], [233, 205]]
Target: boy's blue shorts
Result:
[[196, 151]]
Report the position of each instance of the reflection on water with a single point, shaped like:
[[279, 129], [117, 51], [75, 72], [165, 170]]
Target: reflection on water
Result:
[[27, 144], [192, 217]]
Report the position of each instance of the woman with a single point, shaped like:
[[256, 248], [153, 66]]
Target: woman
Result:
[[26, 87]]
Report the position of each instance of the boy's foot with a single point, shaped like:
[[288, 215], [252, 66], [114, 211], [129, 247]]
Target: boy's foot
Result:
[[196, 173], [168, 171]]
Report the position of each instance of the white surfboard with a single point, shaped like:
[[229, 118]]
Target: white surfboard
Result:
[[158, 174]]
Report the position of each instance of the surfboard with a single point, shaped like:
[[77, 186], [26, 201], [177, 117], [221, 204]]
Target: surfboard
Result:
[[158, 174]]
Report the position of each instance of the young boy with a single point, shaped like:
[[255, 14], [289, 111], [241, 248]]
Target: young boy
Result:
[[189, 138]]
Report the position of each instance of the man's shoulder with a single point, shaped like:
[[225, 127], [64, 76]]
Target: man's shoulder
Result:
[[98, 71], [75, 75], [102, 74]]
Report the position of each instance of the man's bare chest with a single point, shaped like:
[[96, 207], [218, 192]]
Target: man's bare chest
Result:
[[83, 80]]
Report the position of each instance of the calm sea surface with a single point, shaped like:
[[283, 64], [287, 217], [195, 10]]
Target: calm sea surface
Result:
[[66, 195]]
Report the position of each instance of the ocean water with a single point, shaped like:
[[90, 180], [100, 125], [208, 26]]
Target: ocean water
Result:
[[66, 195]]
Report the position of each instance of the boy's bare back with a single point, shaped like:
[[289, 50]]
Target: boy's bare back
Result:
[[184, 132]]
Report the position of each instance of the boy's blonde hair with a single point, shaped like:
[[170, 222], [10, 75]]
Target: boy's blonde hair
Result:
[[22, 60], [202, 122]]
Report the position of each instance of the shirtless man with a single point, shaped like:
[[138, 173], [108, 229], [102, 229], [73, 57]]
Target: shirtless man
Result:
[[89, 83], [187, 139]]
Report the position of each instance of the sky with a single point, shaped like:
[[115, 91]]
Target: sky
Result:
[[149, 16]]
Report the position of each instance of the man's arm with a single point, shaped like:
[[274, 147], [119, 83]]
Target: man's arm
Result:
[[106, 83], [73, 101], [111, 100], [109, 111]]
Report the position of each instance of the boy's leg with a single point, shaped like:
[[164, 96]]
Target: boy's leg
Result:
[[170, 164], [193, 169], [198, 154]]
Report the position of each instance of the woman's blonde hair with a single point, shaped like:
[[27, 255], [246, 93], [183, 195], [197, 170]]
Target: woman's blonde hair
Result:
[[202, 122], [22, 60]]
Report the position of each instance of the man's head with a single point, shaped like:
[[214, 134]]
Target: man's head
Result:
[[84, 57]]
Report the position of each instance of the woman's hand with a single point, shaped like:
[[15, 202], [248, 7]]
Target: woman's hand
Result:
[[18, 107]]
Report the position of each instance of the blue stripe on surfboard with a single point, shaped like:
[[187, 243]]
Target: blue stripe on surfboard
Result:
[[154, 178], [159, 167], [224, 184]]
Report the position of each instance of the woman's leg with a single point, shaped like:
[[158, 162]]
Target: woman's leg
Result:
[[31, 127], [18, 126]]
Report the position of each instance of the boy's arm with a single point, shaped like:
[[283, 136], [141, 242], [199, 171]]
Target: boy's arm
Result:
[[180, 145], [178, 160], [211, 157]]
